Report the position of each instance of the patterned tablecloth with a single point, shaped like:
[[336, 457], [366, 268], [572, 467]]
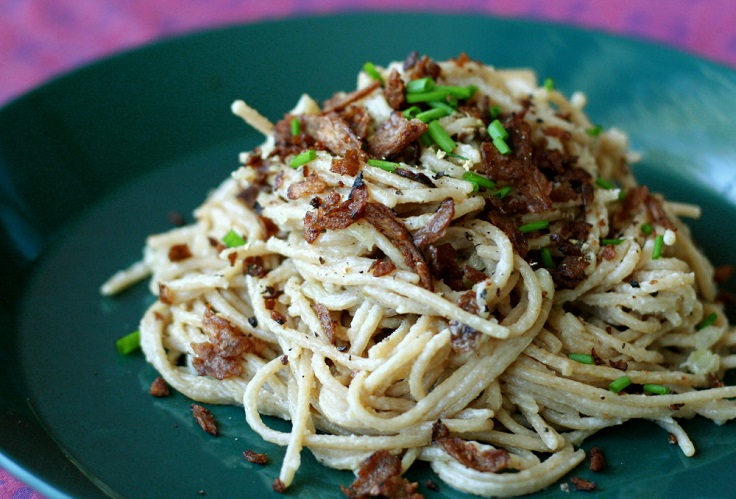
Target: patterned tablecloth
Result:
[[43, 38]]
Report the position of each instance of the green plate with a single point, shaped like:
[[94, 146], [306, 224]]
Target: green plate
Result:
[[94, 161]]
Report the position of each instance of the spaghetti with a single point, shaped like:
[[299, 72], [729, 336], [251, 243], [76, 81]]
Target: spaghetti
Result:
[[449, 264]]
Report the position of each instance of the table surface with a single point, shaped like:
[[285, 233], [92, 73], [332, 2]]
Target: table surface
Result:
[[40, 39]]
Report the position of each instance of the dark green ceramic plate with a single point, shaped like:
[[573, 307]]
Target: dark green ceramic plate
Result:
[[93, 162]]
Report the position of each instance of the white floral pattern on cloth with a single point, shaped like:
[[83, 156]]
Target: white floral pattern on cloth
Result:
[[43, 38]]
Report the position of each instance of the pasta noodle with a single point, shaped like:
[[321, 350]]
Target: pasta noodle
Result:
[[449, 257]]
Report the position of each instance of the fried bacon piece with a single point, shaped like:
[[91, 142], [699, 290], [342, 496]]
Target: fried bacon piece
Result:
[[204, 419], [571, 270], [510, 227], [655, 206], [255, 457], [597, 462], [341, 100], [395, 90], [423, 67], [442, 261], [380, 476], [179, 252], [382, 267], [326, 320], [384, 220], [394, 135], [334, 216], [437, 225], [583, 484], [347, 165], [635, 198], [469, 455], [332, 131], [159, 388], [312, 184]]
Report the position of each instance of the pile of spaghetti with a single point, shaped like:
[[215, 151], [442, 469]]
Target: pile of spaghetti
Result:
[[449, 264]]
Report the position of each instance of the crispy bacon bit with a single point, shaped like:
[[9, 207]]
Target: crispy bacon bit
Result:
[[313, 184], [278, 317], [571, 270], [509, 227], [473, 275], [621, 365], [468, 454], [415, 176], [411, 59], [337, 216], [597, 462], [232, 257], [583, 484], [341, 100], [467, 302], [358, 118], [382, 267], [462, 59], [655, 206], [597, 360], [380, 476], [348, 165], [395, 90], [224, 335], [255, 457], [713, 381], [333, 131], [159, 388], [630, 205], [463, 338], [426, 67], [672, 438], [394, 135], [432, 485], [722, 273], [609, 252], [442, 260], [268, 226], [254, 266], [384, 220], [437, 225], [325, 319], [210, 362], [164, 294], [284, 360], [576, 230], [278, 486], [204, 419]]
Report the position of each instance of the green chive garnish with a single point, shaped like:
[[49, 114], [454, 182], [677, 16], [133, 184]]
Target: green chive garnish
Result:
[[433, 95], [619, 384], [497, 131], [604, 184], [411, 112], [655, 389], [548, 262], [594, 131], [614, 242], [495, 111], [549, 84], [296, 127], [646, 229], [303, 158], [532, 226], [583, 358], [431, 114], [389, 166], [658, 245], [442, 105], [707, 321], [501, 145], [459, 92], [128, 343], [479, 180], [503, 192], [420, 85], [370, 70], [439, 136], [232, 239]]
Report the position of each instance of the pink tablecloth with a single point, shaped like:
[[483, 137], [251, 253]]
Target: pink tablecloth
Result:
[[42, 38]]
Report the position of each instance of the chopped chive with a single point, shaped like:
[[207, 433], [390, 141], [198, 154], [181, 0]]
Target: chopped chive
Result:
[[549, 263], [128, 343], [655, 389], [583, 358], [370, 70], [532, 226], [497, 131], [614, 242], [431, 114], [594, 131], [619, 384], [440, 137], [658, 245], [549, 84], [503, 192], [495, 111], [303, 158], [425, 139], [646, 229], [707, 321], [501, 145], [604, 184], [442, 105], [479, 180], [457, 156], [420, 85], [296, 127], [232, 239], [411, 112], [433, 95], [389, 166], [459, 92]]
